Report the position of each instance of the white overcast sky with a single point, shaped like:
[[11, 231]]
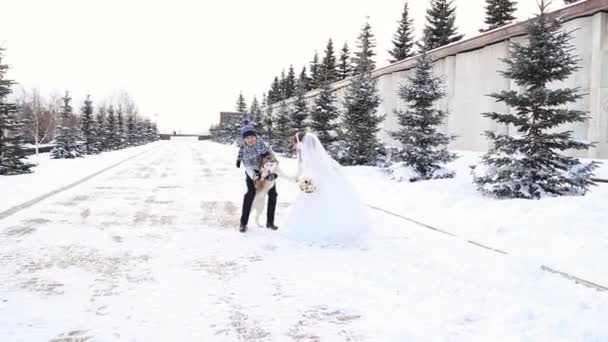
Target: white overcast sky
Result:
[[184, 61]]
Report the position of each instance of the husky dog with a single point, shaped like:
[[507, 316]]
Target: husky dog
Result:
[[269, 168]]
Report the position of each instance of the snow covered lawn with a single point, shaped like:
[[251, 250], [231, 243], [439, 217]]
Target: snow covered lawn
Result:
[[567, 233], [149, 251]]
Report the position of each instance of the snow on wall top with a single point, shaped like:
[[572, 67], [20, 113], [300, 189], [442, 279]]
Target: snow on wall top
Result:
[[567, 13]]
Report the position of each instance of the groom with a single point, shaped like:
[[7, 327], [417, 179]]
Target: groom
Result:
[[250, 154]]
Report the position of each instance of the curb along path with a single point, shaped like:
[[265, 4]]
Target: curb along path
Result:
[[576, 280], [18, 208]]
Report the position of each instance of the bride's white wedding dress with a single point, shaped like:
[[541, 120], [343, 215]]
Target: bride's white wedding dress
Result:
[[333, 214]]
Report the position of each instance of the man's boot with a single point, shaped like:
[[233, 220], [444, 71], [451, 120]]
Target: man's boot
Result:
[[243, 228]]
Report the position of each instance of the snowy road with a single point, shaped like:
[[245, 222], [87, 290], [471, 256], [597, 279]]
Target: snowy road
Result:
[[149, 251]]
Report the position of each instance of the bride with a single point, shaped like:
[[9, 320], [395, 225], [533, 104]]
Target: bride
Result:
[[332, 213]]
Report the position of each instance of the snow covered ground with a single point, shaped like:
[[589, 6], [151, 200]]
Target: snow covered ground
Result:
[[149, 251]]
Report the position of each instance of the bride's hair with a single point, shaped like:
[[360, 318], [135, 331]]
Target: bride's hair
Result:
[[297, 138]]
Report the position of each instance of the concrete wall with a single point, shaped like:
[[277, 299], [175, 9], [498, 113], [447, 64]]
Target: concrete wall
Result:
[[193, 136], [226, 117], [470, 70]]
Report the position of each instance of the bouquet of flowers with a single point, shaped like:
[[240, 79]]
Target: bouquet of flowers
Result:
[[306, 185]]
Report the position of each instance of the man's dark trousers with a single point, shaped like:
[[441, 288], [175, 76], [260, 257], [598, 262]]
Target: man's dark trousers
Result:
[[248, 201]]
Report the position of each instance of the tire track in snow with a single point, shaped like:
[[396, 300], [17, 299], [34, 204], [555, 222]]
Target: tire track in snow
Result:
[[575, 279], [18, 208]]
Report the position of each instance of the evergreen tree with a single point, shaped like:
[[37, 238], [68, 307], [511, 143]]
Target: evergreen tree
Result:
[[135, 131], [255, 111], [440, 28], [290, 83], [12, 154], [304, 80], [270, 94], [529, 164], [88, 128], [275, 93], [424, 147], [283, 83], [232, 129], [329, 71], [215, 133], [140, 130], [299, 114], [121, 133], [361, 124], [499, 13], [260, 124], [324, 114], [282, 129], [111, 131], [145, 130], [150, 131], [403, 40], [241, 105], [100, 129], [364, 58], [218, 134], [268, 124], [66, 145], [132, 137], [345, 69], [315, 72], [154, 131]]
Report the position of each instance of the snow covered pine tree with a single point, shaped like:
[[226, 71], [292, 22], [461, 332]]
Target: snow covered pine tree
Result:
[[528, 164], [345, 68], [360, 121], [299, 113], [255, 112], [403, 41], [315, 72], [424, 147], [329, 69], [241, 105], [499, 13], [110, 131], [11, 131], [440, 28], [66, 144], [323, 115], [282, 129], [87, 127]]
